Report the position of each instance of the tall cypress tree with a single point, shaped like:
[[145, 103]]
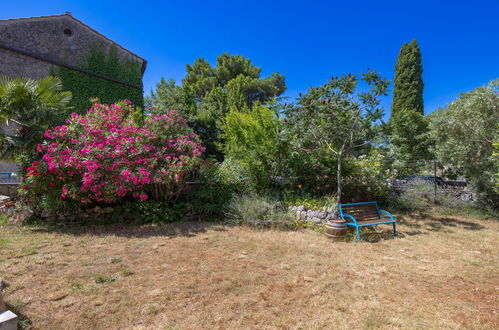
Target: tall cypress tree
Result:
[[408, 86]]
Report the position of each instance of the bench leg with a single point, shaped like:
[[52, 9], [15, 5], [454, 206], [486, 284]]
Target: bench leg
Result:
[[358, 233], [394, 230]]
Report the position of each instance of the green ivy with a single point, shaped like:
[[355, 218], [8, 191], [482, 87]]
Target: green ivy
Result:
[[84, 86]]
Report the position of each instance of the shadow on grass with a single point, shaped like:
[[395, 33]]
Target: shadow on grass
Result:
[[412, 225], [422, 223], [170, 230]]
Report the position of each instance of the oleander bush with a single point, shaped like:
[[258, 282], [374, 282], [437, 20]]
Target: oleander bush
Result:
[[110, 155]]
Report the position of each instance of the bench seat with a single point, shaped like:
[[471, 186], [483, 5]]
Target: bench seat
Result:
[[365, 214]]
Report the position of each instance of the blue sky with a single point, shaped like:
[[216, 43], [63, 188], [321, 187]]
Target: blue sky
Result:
[[307, 41]]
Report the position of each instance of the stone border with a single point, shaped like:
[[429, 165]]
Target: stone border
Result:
[[316, 216]]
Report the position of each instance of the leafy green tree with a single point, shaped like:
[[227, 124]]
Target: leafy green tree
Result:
[[495, 158], [252, 139], [410, 142], [207, 93], [408, 129], [408, 85], [464, 134], [339, 117], [168, 95], [27, 109]]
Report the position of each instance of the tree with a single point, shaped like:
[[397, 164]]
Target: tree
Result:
[[495, 159], [408, 85], [464, 133], [252, 139], [339, 116], [408, 129], [27, 108], [410, 142], [202, 78], [207, 93]]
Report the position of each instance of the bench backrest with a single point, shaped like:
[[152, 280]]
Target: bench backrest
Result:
[[360, 211]]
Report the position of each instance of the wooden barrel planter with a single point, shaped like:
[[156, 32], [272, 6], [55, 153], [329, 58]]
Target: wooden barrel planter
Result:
[[336, 229]]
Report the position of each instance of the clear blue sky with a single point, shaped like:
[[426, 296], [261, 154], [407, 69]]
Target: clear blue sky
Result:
[[307, 41]]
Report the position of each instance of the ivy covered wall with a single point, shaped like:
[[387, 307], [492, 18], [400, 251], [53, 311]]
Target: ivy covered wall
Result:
[[85, 86]]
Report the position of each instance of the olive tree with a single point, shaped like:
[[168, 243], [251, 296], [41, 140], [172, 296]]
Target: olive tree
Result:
[[339, 117]]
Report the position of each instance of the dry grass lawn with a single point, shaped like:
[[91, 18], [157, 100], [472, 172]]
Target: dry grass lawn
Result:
[[440, 273]]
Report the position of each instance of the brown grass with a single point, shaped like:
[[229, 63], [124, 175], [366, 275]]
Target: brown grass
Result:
[[440, 273]]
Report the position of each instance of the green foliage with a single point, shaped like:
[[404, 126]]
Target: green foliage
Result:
[[408, 85], [464, 133], [368, 179], [311, 202], [216, 184], [208, 93], [252, 138], [27, 108], [410, 140], [338, 118], [408, 129], [421, 197], [149, 212], [252, 209], [235, 73], [495, 159], [84, 86]]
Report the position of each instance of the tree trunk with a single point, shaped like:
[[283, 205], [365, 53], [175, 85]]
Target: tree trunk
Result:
[[338, 179]]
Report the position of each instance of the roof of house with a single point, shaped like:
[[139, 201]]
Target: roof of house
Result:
[[69, 15]]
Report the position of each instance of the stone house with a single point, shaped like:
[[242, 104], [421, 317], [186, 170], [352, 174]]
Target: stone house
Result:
[[32, 47]]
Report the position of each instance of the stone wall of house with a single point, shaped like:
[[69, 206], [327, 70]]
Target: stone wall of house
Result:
[[60, 38]]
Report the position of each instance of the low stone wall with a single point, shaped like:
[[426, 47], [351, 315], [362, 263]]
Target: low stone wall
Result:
[[316, 216], [9, 189]]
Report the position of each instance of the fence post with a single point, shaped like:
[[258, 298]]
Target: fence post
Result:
[[435, 181]]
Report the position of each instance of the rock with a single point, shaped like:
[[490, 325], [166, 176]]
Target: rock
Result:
[[107, 210], [300, 208], [97, 209], [4, 199], [316, 220], [303, 215], [321, 214], [21, 216], [330, 216], [311, 214]]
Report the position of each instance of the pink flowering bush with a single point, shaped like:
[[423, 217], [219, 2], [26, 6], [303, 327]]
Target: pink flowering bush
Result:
[[105, 156]]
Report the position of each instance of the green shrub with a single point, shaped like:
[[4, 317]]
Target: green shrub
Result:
[[216, 185], [252, 209], [252, 137], [368, 179], [150, 212], [421, 197], [326, 202]]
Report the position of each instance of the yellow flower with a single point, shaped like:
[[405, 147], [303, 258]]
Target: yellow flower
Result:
[[299, 186]]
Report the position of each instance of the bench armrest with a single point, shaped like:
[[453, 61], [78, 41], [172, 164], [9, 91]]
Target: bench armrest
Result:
[[343, 215], [387, 213]]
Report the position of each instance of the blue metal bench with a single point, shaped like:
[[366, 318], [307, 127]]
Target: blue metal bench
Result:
[[365, 214]]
